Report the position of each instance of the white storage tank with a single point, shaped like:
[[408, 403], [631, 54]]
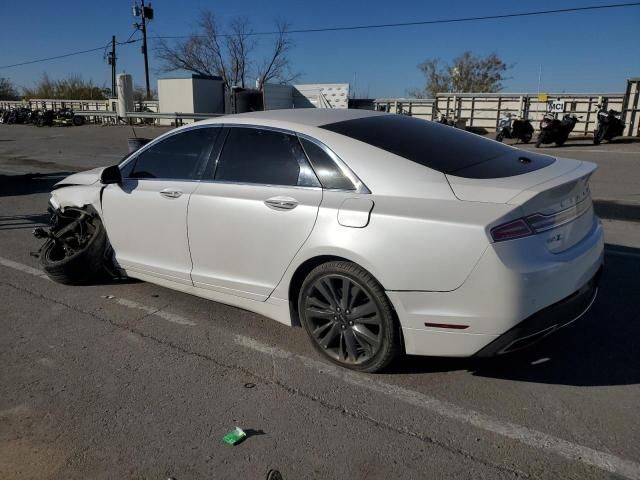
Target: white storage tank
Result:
[[124, 88]]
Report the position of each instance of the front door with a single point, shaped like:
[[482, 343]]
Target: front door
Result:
[[247, 222], [146, 215]]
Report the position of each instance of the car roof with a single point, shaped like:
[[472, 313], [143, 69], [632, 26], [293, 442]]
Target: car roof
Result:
[[310, 117]]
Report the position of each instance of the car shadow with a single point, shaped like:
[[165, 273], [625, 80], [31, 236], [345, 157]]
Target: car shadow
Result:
[[29, 184], [600, 349], [18, 222], [613, 210]]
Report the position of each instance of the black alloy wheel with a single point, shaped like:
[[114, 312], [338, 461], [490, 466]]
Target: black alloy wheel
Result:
[[349, 317]]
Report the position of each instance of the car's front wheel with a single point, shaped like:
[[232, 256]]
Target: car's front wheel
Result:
[[348, 317], [76, 254]]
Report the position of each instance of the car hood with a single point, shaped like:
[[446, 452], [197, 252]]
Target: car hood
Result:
[[87, 177]]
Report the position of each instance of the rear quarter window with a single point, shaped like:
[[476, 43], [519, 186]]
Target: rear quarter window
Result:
[[440, 147]]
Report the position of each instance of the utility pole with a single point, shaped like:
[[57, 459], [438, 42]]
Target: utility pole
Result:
[[145, 13], [112, 62]]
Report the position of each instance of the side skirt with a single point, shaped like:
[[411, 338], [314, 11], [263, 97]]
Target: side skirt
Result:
[[274, 308]]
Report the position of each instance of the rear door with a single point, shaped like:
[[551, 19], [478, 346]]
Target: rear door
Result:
[[249, 218]]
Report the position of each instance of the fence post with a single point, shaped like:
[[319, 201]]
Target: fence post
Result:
[[473, 108], [498, 112], [588, 119], [521, 107]]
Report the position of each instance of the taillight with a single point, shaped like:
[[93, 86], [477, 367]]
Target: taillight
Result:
[[508, 231], [539, 222]]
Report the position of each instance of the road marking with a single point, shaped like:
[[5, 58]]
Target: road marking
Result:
[[540, 360], [170, 317], [528, 436], [23, 268]]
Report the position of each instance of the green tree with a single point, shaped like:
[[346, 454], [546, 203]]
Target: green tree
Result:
[[72, 88], [466, 73]]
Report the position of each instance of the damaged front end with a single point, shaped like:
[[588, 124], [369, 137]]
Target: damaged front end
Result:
[[76, 248], [68, 231]]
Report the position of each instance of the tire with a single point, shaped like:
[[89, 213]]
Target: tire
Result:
[[499, 137], [77, 120], [367, 341], [40, 122], [560, 141], [540, 139], [83, 265], [598, 136], [526, 137]]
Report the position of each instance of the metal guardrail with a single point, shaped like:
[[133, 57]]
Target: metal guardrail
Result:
[[177, 117]]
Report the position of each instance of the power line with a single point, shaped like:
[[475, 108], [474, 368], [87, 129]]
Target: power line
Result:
[[425, 22], [360, 27], [67, 54], [54, 58]]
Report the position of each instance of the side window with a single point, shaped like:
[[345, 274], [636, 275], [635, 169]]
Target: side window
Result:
[[328, 171], [178, 157], [253, 155]]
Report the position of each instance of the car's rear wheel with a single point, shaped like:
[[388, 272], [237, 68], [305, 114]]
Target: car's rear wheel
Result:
[[348, 317]]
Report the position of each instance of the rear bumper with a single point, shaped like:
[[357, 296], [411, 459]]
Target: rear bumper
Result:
[[545, 322], [518, 288]]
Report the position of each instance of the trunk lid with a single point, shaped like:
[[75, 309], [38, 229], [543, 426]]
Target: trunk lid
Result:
[[554, 200]]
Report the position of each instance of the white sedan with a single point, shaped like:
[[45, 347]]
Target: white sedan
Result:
[[378, 233]]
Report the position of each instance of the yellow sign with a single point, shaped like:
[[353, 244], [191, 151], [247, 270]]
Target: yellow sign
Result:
[[543, 97]]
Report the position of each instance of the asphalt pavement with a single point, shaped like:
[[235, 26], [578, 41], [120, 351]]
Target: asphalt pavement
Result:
[[130, 380]]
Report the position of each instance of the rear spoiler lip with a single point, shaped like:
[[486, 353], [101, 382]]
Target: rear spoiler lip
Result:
[[583, 169]]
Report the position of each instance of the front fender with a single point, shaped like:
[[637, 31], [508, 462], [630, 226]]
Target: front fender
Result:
[[78, 196]]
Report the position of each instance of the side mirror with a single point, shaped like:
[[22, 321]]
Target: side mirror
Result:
[[111, 175]]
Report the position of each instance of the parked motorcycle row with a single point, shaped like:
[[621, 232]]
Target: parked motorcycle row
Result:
[[41, 118], [555, 130]]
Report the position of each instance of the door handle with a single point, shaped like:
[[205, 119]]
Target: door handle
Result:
[[170, 193], [281, 203]]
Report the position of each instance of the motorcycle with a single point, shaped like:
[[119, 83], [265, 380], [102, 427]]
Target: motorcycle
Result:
[[66, 116], [46, 117], [610, 125], [556, 131], [18, 115], [510, 128], [452, 121]]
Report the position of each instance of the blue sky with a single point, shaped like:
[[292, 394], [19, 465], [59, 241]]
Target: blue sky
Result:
[[578, 52]]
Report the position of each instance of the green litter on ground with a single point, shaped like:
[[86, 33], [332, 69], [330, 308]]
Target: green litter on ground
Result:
[[234, 437]]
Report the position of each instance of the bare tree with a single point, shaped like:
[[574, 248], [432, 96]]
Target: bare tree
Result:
[[8, 90], [239, 45], [277, 66], [201, 53], [228, 53], [466, 73]]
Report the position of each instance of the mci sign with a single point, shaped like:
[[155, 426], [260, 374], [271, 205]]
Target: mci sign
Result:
[[556, 106]]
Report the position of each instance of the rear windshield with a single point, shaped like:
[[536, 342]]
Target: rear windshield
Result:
[[440, 147]]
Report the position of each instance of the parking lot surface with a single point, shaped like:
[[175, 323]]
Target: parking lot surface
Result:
[[130, 380]]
